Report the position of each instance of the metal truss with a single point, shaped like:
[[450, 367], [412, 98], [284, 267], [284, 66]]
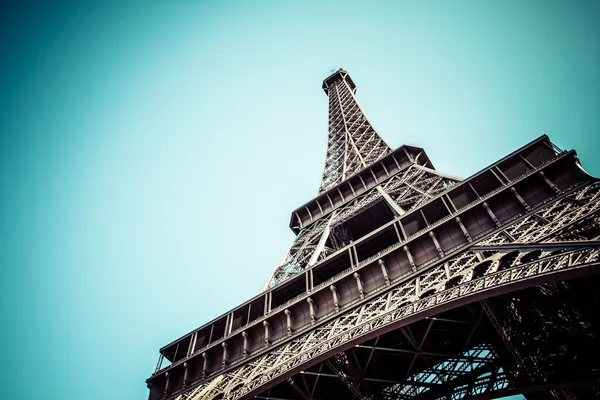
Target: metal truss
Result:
[[553, 223], [415, 298], [452, 378], [403, 192], [557, 239], [348, 373], [352, 144]]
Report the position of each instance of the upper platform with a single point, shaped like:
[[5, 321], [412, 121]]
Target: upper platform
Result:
[[356, 184], [339, 74]]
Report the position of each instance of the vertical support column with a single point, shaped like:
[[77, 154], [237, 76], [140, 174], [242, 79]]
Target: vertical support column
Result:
[[409, 156], [410, 258], [288, 317], [396, 161], [266, 308], [363, 182], [491, 213], [245, 336], [436, 243], [225, 362], [299, 220], [474, 191], [385, 169], [424, 217], [549, 183], [212, 327], [321, 245], [497, 177], [204, 365], [268, 300], [447, 270], [186, 371], [402, 230], [521, 200], [313, 310], [450, 202], [353, 247], [463, 229], [309, 213], [530, 165], [336, 297], [374, 176], [359, 285], [397, 233], [167, 384], [307, 281], [266, 325], [192, 344], [159, 363], [320, 208], [330, 202], [501, 173], [229, 324], [384, 271], [443, 198], [388, 301]]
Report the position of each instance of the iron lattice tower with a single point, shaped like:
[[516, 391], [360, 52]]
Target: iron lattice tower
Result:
[[352, 143], [404, 282]]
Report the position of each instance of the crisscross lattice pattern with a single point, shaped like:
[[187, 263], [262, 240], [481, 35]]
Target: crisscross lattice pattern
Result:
[[352, 143]]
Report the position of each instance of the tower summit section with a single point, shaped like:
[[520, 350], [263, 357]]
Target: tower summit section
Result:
[[352, 143]]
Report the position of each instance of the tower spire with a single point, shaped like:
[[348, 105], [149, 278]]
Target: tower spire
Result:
[[352, 144]]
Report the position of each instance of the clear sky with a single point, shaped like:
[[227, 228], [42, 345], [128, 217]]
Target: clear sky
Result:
[[151, 152]]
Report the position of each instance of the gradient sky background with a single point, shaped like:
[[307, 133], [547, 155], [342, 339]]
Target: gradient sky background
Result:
[[151, 152]]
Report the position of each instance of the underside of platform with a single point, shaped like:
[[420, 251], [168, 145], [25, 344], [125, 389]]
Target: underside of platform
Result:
[[540, 342]]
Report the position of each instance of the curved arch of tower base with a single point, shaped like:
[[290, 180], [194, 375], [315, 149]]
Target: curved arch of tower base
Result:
[[536, 341]]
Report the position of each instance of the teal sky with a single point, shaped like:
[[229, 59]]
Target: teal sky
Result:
[[151, 152]]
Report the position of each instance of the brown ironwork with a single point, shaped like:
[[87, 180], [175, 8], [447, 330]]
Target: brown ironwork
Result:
[[404, 282]]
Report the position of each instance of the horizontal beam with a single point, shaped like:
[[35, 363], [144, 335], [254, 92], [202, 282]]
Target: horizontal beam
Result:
[[549, 246], [423, 353], [388, 381]]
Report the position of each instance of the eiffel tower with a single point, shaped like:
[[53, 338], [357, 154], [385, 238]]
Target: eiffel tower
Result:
[[405, 282]]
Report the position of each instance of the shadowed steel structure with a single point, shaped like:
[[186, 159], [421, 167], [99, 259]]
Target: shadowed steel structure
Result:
[[352, 146], [404, 282]]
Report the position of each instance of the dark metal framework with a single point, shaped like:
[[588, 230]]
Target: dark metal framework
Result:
[[404, 282]]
